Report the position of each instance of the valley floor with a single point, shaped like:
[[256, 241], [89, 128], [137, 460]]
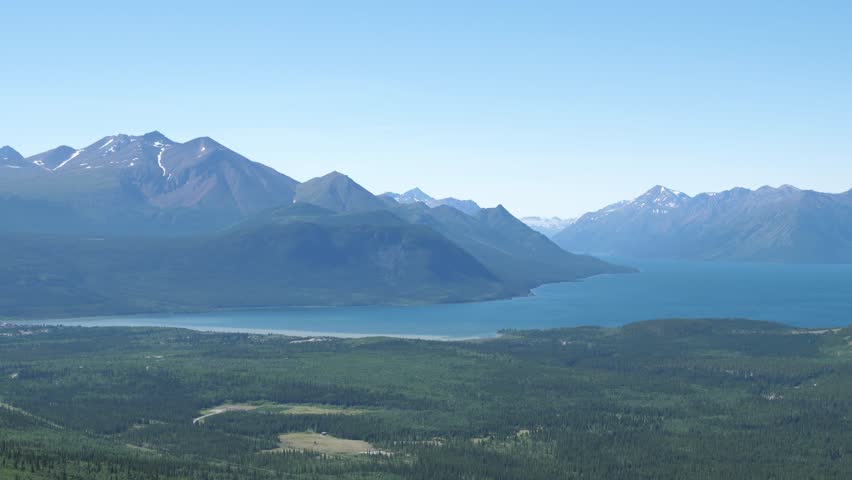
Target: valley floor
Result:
[[658, 399]]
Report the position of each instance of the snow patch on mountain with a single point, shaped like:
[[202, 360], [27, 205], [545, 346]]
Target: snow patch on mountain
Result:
[[548, 225], [415, 195], [160, 161], [72, 157], [658, 200]]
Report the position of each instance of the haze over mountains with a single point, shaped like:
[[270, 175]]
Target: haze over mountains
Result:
[[145, 223], [416, 195], [549, 226], [782, 224]]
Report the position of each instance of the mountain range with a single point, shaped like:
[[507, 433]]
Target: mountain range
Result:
[[137, 184], [783, 224], [416, 195], [549, 226], [145, 223]]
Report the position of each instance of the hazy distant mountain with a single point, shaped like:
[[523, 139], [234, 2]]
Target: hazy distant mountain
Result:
[[416, 195], [412, 196], [149, 182], [549, 226], [519, 256], [782, 224], [509, 248], [467, 206]]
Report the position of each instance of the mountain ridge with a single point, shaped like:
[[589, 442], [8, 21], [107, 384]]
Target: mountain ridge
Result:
[[783, 224], [337, 192], [416, 195], [549, 226], [145, 223], [150, 183]]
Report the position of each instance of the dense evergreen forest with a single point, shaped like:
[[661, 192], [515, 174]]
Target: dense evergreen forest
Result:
[[696, 399]]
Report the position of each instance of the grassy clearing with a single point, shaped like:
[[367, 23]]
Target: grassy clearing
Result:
[[316, 442], [287, 409], [321, 410]]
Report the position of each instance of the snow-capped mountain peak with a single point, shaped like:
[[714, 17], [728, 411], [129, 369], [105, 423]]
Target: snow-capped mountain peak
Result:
[[661, 194], [770, 223], [548, 225], [658, 199], [159, 172], [415, 195], [412, 196]]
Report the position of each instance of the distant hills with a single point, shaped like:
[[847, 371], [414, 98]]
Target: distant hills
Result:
[[145, 223], [549, 226], [416, 195], [782, 224]]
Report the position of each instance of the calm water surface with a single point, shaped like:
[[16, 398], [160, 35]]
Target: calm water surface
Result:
[[800, 295]]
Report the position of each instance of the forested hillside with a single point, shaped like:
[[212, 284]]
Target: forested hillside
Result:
[[661, 399]]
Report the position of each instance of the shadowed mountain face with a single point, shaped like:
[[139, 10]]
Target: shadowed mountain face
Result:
[[782, 224], [150, 224], [508, 247], [291, 256], [519, 256], [150, 183]]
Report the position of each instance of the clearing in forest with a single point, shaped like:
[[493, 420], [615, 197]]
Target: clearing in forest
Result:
[[317, 442], [286, 409], [320, 410]]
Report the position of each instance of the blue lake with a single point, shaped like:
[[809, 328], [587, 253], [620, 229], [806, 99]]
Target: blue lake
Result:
[[800, 295]]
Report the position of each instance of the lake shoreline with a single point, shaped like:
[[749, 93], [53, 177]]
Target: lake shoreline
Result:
[[802, 296]]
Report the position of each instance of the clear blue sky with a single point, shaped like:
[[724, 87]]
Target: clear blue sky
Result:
[[550, 108]]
